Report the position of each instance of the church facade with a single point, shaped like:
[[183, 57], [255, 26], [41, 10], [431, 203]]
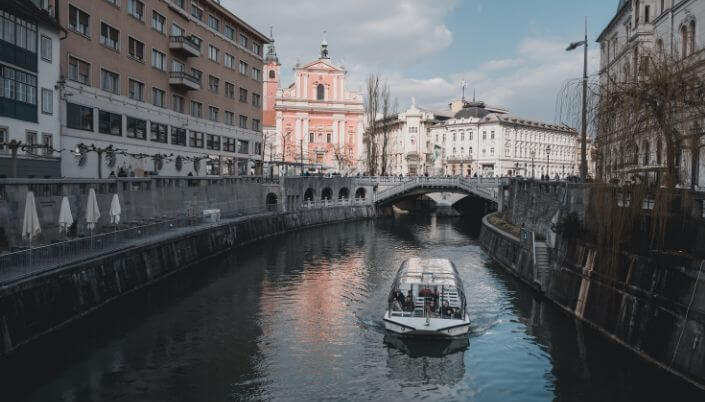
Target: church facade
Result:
[[314, 124]]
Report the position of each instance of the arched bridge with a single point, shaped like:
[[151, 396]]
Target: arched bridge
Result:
[[487, 189]]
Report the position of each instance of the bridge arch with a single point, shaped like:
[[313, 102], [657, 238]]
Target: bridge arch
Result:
[[327, 194], [486, 189], [310, 194], [271, 201], [343, 193], [360, 193]]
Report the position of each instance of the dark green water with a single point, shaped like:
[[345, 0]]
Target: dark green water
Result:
[[298, 317]]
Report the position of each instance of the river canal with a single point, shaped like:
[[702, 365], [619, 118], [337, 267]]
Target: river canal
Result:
[[298, 317]]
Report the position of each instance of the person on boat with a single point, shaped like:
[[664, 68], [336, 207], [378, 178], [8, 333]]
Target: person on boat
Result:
[[447, 310], [399, 296], [409, 304]]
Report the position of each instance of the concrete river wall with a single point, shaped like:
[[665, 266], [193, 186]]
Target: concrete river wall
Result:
[[44, 303], [655, 306]]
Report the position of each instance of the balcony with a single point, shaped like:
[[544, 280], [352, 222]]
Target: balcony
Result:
[[185, 46], [184, 80]]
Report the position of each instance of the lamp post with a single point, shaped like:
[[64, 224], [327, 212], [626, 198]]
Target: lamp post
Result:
[[548, 161], [533, 172], [583, 133]]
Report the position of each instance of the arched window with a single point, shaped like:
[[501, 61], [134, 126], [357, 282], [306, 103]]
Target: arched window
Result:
[[659, 151], [311, 137], [271, 74], [320, 92], [684, 41], [647, 153], [691, 38], [635, 149], [659, 46]]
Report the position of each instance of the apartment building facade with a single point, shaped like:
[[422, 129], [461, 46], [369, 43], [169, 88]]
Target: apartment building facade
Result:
[[29, 72], [167, 87], [672, 29]]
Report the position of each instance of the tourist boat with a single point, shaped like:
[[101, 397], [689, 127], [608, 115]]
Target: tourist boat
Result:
[[427, 299]]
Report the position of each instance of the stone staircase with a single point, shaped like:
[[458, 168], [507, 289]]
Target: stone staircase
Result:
[[542, 263]]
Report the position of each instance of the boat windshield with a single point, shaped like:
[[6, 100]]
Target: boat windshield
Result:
[[427, 288]]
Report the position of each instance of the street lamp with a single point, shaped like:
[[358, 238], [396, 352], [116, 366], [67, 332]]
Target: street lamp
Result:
[[533, 155], [548, 161], [583, 134]]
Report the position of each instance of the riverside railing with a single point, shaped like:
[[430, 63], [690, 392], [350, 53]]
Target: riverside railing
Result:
[[21, 264]]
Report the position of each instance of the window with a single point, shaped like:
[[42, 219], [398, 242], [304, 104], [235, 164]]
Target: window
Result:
[[243, 147], [79, 117], [177, 66], [647, 11], [109, 36], [196, 11], [18, 86], [243, 121], [311, 137], [48, 142], [229, 32], [255, 125], [484, 135], [31, 138], [229, 144], [158, 132], [229, 60], [196, 109], [256, 48], [230, 90], [114, 2], [212, 113], [320, 92], [177, 30], [158, 97], [79, 21], [256, 74], [3, 139], [272, 74], [213, 83], [491, 151], [213, 53], [136, 90], [45, 48], [197, 41], [109, 81], [213, 22], [243, 95], [79, 71], [243, 41], [109, 123], [177, 103], [136, 128], [18, 31], [256, 100], [229, 118], [178, 136], [328, 138], [158, 60], [492, 135], [243, 68], [136, 49], [47, 101], [198, 74], [258, 148], [195, 139], [135, 8], [213, 142], [158, 22]]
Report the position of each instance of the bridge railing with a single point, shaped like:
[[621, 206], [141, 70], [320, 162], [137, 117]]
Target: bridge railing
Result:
[[311, 204], [485, 187]]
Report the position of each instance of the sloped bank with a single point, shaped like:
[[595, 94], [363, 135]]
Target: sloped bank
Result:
[[39, 305], [655, 309]]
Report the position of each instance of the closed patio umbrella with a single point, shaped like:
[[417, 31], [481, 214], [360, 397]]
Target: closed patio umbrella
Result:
[[30, 223], [92, 211], [65, 217], [115, 210]]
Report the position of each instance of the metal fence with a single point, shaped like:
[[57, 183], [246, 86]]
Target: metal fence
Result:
[[21, 264]]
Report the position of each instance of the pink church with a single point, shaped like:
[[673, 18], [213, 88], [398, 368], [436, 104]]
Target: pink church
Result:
[[315, 113]]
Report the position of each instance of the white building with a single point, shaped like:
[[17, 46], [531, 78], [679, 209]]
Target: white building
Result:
[[29, 71], [490, 142], [641, 27]]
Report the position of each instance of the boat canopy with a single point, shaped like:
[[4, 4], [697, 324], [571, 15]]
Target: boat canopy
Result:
[[428, 272]]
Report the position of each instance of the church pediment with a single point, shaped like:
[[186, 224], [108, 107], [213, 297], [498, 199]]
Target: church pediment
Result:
[[321, 65]]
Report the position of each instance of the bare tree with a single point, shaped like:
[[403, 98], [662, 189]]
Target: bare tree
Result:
[[372, 107], [386, 108]]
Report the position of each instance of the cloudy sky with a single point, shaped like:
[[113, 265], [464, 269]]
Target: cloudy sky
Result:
[[511, 51]]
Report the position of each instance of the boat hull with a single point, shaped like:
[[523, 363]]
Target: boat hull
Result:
[[420, 327]]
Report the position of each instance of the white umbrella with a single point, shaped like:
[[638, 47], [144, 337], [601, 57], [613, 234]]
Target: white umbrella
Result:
[[115, 210], [65, 217], [30, 224], [92, 211]]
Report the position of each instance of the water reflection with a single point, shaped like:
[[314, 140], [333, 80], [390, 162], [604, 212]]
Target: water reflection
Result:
[[421, 362]]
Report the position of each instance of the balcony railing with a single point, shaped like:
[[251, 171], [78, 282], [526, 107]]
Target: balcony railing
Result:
[[186, 45], [184, 80]]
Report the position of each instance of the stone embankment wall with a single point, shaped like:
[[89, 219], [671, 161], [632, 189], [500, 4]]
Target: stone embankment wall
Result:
[[656, 307], [42, 304], [141, 199]]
